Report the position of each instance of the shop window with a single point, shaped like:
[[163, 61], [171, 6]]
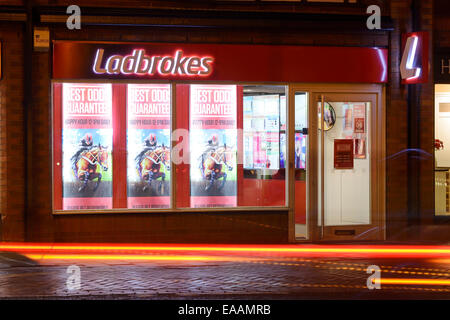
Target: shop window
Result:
[[235, 154], [213, 145], [148, 146], [264, 146], [442, 150], [87, 146], [111, 146]]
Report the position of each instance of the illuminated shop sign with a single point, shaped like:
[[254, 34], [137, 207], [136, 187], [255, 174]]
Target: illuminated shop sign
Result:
[[74, 60], [139, 63], [442, 66], [414, 63]]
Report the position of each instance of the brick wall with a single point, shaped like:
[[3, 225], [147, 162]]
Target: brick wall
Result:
[[397, 131], [12, 184], [427, 126]]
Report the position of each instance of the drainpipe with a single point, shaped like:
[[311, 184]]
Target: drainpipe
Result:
[[414, 95], [28, 113]]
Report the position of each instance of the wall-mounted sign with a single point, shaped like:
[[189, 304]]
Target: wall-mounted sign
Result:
[[442, 66], [415, 58], [218, 62], [138, 63], [343, 153], [41, 39]]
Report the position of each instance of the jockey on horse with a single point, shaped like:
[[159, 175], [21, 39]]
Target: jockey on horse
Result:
[[213, 143], [150, 144], [211, 162], [86, 144]]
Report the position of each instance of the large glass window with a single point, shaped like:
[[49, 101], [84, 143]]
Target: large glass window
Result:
[[112, 146], [213, 144], [264, 146]]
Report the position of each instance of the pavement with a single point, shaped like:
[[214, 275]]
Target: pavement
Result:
[[208, 274]]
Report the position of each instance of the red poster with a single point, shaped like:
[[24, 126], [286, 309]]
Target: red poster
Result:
[[343, 153], [213, 145], [87, 146], [359, 130], [359, 116], [148, 145]]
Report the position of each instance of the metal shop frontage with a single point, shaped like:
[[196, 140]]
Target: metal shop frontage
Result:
[[229, 143]]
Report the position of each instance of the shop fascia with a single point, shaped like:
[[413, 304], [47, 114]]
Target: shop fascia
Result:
[[138, 63]]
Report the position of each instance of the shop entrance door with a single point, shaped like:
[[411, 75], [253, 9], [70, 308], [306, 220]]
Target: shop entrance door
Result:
[[336, 162], [347, 176]]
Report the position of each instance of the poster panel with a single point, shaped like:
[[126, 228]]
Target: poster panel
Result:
[[213, 145], [359, 130], [148, 146], [87, 146], [343, 154]]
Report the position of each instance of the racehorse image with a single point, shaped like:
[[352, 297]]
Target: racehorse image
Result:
[[211, 164], [85, 166], [149, 167]]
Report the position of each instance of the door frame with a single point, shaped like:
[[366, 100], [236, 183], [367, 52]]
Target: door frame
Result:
[[376, 92]]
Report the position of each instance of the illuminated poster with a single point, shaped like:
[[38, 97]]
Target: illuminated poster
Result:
[[213, 141], [148, 145], [87, 146], [359, 130], [343, 153]]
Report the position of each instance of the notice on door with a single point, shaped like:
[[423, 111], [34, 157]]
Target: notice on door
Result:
[[343, 153]]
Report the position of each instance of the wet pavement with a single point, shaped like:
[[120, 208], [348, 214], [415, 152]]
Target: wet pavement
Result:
[[170, 274]]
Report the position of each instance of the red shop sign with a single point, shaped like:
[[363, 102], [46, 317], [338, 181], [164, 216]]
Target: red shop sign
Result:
[[218, 62], [343, 154]]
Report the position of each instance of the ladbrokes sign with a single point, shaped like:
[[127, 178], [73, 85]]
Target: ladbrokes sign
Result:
[[139, 63], [85, 60]]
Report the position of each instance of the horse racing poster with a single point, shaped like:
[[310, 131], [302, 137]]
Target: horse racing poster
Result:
[[213, 142], [148, 145], [87, 146]]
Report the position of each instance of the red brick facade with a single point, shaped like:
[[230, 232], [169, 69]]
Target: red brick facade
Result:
[[41, 225], [12, 183]]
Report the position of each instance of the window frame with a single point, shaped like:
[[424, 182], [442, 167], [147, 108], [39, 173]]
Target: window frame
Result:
[[173, 121]]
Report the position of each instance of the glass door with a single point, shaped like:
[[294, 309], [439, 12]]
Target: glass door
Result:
[[348, 185], [297, 145]]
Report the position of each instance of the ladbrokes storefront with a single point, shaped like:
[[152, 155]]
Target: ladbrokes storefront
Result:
[[217, 142]]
